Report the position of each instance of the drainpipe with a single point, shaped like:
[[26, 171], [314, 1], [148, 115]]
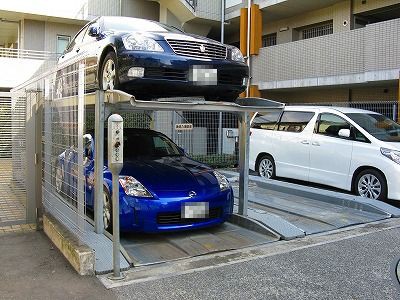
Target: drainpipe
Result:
[[222, 20], [248, 45]]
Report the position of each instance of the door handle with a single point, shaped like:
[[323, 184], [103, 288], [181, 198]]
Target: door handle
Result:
[[77, 50], [316, 144], [305, 142]]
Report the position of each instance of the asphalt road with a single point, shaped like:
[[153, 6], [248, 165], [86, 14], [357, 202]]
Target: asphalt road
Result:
[[352, 268]]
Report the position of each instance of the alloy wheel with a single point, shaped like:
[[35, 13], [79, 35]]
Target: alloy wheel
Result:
[[369, 186], [266, 168], [109, 75]]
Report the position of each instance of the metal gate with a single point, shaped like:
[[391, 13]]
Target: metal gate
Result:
[[12, 160]]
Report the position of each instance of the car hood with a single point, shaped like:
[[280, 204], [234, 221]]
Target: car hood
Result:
[[179, 174], [393, 145]]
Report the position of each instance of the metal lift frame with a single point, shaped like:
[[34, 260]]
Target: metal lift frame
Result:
[[107, 102]]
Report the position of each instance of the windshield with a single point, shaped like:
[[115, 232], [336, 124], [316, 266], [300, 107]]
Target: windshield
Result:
[[148, 145], [378, 126], [132, 24]]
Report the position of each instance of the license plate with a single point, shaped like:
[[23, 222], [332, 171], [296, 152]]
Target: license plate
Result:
[[195, 210], [203, 75]]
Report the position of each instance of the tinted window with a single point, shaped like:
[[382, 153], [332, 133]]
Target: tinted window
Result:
[[147, 144], [77, 39], [266, 121], [294, 121], [377, 125], [132, 24], [330, 125]]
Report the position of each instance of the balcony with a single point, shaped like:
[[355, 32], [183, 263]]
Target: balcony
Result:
[[352, 57], [19, 65]]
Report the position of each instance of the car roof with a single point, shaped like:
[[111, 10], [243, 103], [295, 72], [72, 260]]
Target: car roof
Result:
[[344, 110]]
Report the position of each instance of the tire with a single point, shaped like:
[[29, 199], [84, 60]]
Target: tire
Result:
[[107, 211], [108, 79], [59, 178], [371, 184], [266, 167]]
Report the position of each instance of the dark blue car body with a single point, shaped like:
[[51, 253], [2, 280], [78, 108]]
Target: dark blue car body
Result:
[[167, 73], [171, 181]]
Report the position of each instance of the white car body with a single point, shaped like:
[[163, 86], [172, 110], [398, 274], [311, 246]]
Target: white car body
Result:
[[328, 160]]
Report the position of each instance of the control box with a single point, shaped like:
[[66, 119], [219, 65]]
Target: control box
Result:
[[115, 143]]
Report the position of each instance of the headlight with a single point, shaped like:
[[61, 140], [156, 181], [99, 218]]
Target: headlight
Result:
[[236, 54], [223, 182], [139, 42], [392, 154], [132, 187]]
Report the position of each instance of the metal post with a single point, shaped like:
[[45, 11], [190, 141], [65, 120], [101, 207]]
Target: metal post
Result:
[[248, 45], [115, 162], [244, 133], [220, 137], [80, 177], [222, 20], [99, 162], [394, 112]]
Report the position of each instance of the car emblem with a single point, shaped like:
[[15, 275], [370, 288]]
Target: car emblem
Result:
[[192, 194], [202, 48]]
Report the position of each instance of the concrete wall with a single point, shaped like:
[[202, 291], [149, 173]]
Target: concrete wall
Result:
[[103, 8], [209, 9], [375, 47], [33, 35], [339, 13], [358, 7], [141, 9], [336, 94]]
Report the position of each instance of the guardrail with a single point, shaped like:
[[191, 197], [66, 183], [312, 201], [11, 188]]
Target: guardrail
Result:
[[27, 54]]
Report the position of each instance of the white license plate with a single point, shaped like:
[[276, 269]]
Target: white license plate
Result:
[[195, 210], [203, 75]]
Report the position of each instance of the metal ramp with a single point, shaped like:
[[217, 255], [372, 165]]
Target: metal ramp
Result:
[[294, 211], [146, 249]]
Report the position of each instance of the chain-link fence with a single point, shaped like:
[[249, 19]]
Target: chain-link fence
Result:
[[387, 108]]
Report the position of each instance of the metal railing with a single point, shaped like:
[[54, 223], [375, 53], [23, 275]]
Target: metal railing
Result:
[[192, 3], [27, 54]]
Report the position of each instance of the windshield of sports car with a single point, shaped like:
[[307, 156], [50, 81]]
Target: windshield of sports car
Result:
[[132, 24], [378, 126], [148, 145]]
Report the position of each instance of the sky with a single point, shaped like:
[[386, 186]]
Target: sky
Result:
[[59, 8]]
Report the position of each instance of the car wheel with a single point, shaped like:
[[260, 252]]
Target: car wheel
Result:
[[371, 184], [109, 73], [107, 211], [59, 178], [266, 167]]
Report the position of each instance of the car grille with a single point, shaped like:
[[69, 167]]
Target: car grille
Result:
[[175, 217], [170, 74], [192, 49], [230, 79]]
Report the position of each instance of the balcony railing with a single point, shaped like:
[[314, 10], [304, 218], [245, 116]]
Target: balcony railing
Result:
[[27, 54], [192, 3]]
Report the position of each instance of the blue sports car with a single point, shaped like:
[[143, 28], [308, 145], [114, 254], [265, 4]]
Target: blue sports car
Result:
[[160, 188]]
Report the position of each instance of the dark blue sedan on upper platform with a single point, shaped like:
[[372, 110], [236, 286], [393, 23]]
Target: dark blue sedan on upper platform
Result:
[[160, 189], [151, 60]]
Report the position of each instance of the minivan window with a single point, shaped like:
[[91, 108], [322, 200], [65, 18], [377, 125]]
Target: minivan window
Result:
[[378, 126], [294, 121], [330, 124], [266, 120]]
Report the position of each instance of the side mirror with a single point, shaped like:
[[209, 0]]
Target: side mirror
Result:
[[345, 133], [94, 31], [182, 150]]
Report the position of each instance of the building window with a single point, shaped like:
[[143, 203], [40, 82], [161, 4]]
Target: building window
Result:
[[62, 43], [269, 40], [317, 30]]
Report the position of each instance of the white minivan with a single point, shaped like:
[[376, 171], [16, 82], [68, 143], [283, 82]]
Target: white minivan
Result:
[[351, 149]]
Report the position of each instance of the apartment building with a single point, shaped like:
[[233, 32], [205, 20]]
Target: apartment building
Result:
[[311, 50]]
